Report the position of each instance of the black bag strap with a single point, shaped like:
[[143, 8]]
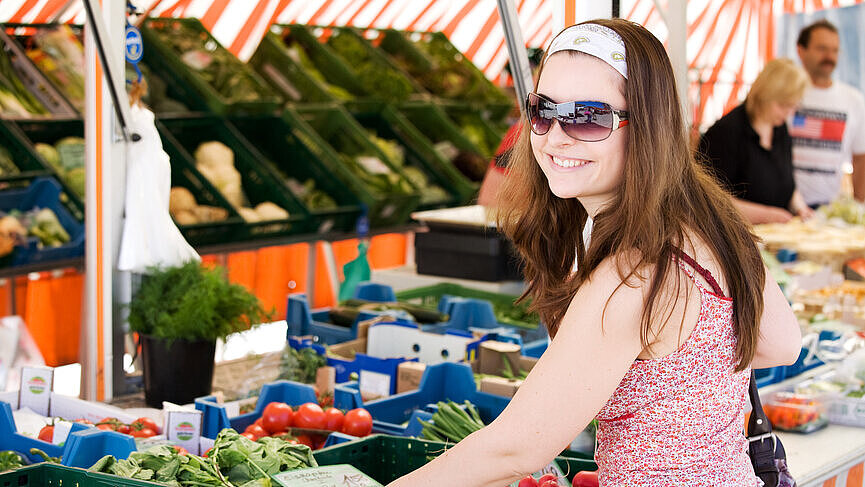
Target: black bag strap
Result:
[[761, 440]]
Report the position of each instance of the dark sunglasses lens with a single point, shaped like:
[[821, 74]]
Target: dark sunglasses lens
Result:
[[589, 124], [540, 115]]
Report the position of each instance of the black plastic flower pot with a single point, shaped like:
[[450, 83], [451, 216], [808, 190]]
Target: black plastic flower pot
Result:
[[179, 372]]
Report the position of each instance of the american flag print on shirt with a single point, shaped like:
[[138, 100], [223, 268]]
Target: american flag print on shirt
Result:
[[818, 128]]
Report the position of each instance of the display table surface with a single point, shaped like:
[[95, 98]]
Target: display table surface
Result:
[[406, 277], [831, 457]]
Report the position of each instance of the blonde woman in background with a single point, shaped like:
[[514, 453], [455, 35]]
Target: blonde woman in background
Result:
[[751, 151]]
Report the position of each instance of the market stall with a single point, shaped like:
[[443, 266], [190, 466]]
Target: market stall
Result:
[[318, 151]]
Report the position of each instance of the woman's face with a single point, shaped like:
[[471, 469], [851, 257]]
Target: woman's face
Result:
[[588, 171]]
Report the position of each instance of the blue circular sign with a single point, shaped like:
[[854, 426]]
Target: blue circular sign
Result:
[[134, 45]]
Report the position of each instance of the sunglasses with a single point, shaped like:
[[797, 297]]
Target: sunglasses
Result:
[[589, 121]]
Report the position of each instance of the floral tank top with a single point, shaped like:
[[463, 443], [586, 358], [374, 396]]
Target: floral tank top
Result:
[[679, 419]]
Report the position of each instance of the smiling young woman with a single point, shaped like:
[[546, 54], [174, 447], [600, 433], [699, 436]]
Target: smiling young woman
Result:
[[656, 330]]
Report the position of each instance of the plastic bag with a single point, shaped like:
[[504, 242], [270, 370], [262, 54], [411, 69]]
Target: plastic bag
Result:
[[150, 237]]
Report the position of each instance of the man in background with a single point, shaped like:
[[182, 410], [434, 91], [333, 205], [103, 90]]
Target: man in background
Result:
[[828, 129]]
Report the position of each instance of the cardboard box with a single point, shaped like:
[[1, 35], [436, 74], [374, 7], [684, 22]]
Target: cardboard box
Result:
[[500, 386], [492, 356], [409, 375]]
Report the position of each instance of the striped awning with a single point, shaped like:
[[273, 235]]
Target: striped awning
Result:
[[728, 40]]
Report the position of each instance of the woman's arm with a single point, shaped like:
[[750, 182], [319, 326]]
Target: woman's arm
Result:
[[757, 213], [565, 389], [780, 336]]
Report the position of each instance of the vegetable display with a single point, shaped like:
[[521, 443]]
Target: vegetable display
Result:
[[297, 54], [226, 74], [42, 223], [346, 313], [311, 197], [794, 412], [381, 80], [186, 211], [308, 424], [9, 460], [59, 54], [234, 461], [215, 161], [15, 99], [452, 76], [66, 157], [451, 422]]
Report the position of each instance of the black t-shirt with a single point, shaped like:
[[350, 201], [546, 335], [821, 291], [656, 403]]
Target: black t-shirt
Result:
[[743, 166]]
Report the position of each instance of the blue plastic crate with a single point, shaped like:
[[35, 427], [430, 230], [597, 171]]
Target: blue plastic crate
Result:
[[303, 321], [442, 382], [215, 418], [773, 375], [84, 446], [43, 193], [345, 368], [465, 314]]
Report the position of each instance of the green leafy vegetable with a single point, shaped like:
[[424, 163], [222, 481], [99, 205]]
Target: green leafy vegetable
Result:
[[379, 78], [451, 422]]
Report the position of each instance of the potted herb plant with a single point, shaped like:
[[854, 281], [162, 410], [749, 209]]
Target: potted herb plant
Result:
[[179, 313]]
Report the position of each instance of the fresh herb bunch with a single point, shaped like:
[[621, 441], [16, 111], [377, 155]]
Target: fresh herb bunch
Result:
[[192, 302], [300, 365], [382, 80]]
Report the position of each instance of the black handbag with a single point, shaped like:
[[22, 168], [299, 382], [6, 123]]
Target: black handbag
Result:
[[765, 449]]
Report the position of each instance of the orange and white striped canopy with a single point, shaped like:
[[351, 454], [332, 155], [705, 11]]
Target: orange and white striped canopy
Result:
[[728, 40]]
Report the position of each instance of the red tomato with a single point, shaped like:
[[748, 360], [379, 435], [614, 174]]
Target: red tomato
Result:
[[249, 436], [83, 421], [334, 419], [106, 427], [260, 421], [256, 430], [179, 449], [528, 481], [585, 479], [548, 483], [145, 423], [304, 440], [124, 428], [277, 416], [142, 433], [358, 422], [47, 433], [310, 415]]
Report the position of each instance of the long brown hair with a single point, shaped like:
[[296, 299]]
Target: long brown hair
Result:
[[664, 194]]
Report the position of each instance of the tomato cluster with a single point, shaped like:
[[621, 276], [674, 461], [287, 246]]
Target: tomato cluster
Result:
[[791, 411], [140, 428], [581, 479], [278, 417]]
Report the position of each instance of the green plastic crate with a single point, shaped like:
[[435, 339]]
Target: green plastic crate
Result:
[[327, 131], [273, 137], [50, 132], [458, 79], [332, 68], [438, 127], [54, 475], [297, 83], [27, 165], [60, 98], [386, 458], [382, 78], [182, 136], [507, 312], [387, 123], [169, 64], [484, 134]]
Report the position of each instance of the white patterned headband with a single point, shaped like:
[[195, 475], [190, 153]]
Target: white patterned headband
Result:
[[599, 41]]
